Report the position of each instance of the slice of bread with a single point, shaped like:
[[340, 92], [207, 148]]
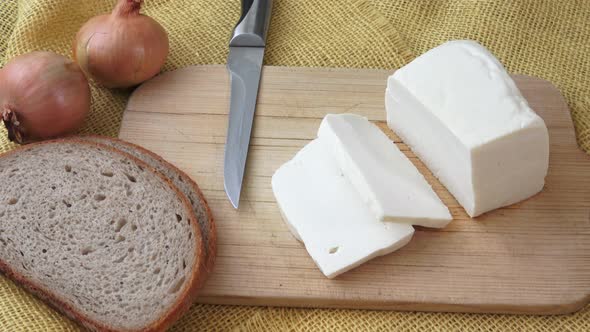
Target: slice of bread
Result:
[[184, 183], [98, 234]]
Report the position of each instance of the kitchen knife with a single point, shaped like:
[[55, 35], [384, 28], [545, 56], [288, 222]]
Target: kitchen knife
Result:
[[244, 63]]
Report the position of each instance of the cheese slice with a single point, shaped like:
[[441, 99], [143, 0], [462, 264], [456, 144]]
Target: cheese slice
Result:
[[388, 183], [323, 210], [463, 116]]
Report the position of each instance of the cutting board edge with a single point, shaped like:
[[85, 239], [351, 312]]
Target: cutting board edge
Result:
[[389, 71], [319, 303]]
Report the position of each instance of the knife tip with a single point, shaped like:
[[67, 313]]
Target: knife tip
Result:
[[233, 198], [235, 203]]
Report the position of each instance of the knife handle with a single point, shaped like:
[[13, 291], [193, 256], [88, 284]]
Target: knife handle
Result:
[[252, 27]]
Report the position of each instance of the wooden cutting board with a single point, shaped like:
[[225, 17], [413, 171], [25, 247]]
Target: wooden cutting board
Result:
[[532, 257]]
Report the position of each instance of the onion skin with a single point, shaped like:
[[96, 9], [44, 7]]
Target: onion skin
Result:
[[42, 95], [121, 49]]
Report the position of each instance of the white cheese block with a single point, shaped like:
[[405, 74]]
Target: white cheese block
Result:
[[463, 116], [323, 210], [388, 183]]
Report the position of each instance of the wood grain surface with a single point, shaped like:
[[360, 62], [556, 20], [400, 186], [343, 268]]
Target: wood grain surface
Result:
[[531, 257]]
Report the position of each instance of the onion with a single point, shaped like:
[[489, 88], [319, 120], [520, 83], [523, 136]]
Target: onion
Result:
[[42, 95], [123, 48]]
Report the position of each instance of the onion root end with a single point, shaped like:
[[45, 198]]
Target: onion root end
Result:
[[15, 133]]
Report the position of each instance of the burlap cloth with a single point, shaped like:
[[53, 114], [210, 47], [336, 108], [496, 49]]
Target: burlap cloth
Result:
[[548, 39]]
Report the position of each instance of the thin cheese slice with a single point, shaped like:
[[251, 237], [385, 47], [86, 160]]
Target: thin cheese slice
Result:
[[323, 210], [387, 181], [463, 116]]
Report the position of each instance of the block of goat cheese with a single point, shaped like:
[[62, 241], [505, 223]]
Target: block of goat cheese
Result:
[[387, 181], [326, 213], [463, 116]]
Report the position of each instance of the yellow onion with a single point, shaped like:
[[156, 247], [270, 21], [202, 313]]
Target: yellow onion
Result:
[[42, 95], [123, 48]]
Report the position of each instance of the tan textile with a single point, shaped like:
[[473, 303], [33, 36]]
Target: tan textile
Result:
[[548, 39]]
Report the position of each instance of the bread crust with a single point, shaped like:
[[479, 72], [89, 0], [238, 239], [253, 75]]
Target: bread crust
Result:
[[211, 252], [185, 299]]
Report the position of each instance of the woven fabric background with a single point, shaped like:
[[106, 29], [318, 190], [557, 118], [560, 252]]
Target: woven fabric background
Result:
[[545, 38]]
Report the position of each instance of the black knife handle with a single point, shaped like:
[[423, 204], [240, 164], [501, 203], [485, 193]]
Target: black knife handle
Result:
[[252, 27], [246, 4]]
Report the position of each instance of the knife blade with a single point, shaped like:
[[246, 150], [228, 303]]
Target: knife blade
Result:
[[244, 63]]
